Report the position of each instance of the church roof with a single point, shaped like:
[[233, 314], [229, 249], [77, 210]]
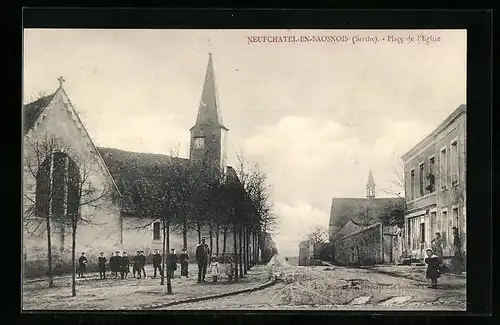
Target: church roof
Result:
[[356, 209], [32, 110], [349, 228], [209, 109]]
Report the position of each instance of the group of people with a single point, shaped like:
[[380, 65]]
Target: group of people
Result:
[[434, 259], [119, 264], [212, 264]]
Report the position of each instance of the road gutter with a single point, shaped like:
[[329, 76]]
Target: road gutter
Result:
[[196, 299]]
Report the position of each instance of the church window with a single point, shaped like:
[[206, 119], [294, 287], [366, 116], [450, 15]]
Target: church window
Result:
[[156, 230]]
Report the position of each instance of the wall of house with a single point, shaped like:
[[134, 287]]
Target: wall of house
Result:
[[103, 234], [446, 206], [361, 248]]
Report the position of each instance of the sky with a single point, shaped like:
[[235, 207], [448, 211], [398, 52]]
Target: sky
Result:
[[315, 116]]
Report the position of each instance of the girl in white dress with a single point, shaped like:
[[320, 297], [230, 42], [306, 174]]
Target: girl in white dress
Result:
[[214, 268]]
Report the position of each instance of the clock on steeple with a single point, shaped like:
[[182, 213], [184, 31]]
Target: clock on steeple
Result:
[[199, 143], [208, 134]]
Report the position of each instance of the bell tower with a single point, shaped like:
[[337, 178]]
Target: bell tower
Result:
[[370, 186], [208, 135]]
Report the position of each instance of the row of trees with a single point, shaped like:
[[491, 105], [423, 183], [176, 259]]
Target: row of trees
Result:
[[181, 195], [187, 196]]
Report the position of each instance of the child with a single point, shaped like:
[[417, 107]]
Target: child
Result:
[[230, 268], [433, 272], [214, 268]]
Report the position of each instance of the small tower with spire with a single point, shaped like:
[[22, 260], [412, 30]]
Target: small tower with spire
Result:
[[370, 186], [208, 135]]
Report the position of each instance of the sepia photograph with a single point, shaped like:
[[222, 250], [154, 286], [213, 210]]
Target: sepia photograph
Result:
[[244, 169]]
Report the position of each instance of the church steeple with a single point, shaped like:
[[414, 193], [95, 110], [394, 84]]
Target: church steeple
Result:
[[208, 135], [370, 186], [209, 108]]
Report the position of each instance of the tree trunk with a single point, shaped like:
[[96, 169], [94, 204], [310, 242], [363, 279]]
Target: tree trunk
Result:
[[73, 259], [224, 241], [235, 253], [169, 283], [245, 252], [249, 255], [185, 234], [240, 251], [217, 241], [163, 256], [211, 234], [49, 255], [198, 229]]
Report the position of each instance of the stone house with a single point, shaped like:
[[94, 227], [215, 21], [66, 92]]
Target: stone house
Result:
[[435, 186], [115, 227]]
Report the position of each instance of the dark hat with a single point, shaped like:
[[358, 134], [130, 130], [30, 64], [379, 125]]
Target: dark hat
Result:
[[102, 253], [124, 252], [138, 251], [117, 252], [83, 253]]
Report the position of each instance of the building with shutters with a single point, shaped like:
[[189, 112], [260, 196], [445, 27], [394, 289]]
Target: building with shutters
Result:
[[435, 187]]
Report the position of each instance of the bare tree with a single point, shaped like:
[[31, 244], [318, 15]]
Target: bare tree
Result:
[[37, 214], [318, 234], [84, 200], [65, 191]]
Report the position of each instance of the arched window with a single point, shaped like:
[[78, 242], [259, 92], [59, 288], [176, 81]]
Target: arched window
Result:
[[57, 187]]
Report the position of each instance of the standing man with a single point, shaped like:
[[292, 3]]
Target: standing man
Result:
[[118, 263], [135, 267], [184, 259], [142, 264], [82, 265], [437, 246], [171, 263], [157, 259], [112, 263], [102, 266], [124, 265], [202, 253]]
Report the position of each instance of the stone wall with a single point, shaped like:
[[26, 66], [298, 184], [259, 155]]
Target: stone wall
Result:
[[360, 248]]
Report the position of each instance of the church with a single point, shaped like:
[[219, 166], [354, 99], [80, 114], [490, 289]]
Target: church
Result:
[[115, 226], [365, 224]]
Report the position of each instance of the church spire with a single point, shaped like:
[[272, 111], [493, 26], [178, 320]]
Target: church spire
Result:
[[209, 109], [370, 186]]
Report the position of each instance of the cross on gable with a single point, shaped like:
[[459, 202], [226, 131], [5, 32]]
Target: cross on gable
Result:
[[61, 80]]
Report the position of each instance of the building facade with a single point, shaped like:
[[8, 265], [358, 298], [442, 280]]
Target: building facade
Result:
[[115, 226], [435, 187]]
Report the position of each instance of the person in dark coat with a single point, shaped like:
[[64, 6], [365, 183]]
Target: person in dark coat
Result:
[[135, 267], [433, 267], [124, 266], [171, 263], [82, 265], [118, 263], [157, 259], [102, 266], [202, 254], [142, 264], [184, 260], [112, 262]]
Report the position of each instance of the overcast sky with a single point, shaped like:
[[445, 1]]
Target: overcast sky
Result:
[[315, 116]]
